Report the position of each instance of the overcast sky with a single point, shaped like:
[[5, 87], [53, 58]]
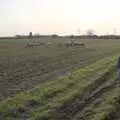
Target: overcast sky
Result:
[[59, 16]]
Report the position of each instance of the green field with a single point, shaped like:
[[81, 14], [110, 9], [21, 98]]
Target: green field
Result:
[[58, 83]]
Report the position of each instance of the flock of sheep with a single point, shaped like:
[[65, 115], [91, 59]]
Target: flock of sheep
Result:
[[67, 44]]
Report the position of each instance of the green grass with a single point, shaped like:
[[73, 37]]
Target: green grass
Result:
[[54, 94], [103, 106], [106, 107]]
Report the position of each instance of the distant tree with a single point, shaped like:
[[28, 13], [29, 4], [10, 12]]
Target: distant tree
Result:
[[90, 32], [17, 36], [71, 36], [54, 35]]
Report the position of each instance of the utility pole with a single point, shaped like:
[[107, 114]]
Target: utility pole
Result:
[[114, 31]]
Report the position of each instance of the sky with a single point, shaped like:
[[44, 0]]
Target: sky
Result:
[[59, 16]]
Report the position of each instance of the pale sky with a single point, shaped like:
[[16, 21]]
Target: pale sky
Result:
[[59, 16]]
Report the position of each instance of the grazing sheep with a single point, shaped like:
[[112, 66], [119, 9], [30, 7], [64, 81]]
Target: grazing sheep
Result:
[[79, 44], [74, 44], [48, 44], [28, 45]]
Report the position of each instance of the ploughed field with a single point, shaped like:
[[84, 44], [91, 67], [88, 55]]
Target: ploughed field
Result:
[[51, 82]]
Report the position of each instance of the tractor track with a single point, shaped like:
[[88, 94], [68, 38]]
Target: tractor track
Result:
[[93, 99], [115, 115], [71, 109]]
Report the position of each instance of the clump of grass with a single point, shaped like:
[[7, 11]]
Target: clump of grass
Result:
[[107, 106]]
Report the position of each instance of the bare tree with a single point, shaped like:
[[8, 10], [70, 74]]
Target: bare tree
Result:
[[90, 32]]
